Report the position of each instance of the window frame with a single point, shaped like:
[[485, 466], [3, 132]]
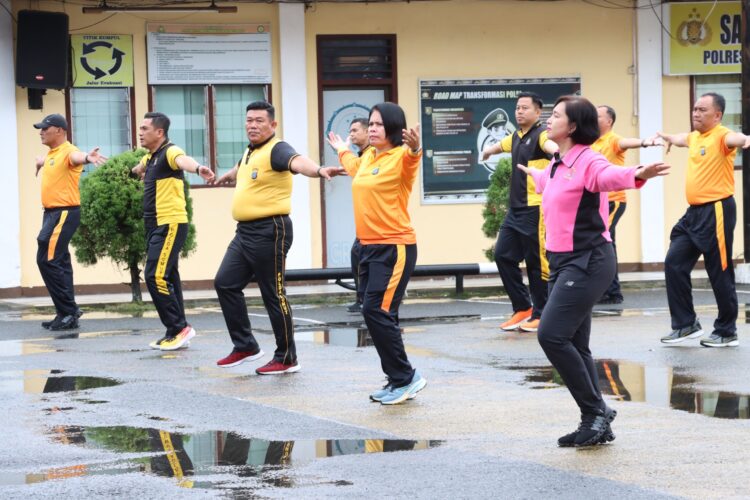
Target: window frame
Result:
[[210, 96]]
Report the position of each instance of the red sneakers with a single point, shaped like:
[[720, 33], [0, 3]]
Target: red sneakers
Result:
[[274, 367], [237, 357]]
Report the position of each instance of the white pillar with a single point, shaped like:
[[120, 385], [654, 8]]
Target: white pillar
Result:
[[650, 121], [10, 238], [294, 121]]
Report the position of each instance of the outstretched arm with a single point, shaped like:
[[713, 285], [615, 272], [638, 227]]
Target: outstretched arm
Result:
[[737, 140], [637, 142], [93, 156], [188, 164], [305, 166], [680, 140]]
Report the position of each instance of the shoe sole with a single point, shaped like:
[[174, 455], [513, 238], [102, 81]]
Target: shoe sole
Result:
[[407, 395], [733, 343], [377, 400], [282, 372], [186, 340], [693, 335], [259, 355], [515, 326], [156, 347], [73, 326], [597, 439], [529, 330]]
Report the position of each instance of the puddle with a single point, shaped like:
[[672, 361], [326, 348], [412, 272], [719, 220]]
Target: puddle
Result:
[[658, 386], [212, 460], [49, 381], [348, 337]]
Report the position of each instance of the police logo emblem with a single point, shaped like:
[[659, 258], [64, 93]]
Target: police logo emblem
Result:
[[376, 170], [694, 31], [703, 151], [254, 175]]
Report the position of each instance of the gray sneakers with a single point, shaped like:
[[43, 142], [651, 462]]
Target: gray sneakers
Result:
[[682, 334], [716, 340]]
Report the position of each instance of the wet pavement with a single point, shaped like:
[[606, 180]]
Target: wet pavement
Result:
[[95, 412]]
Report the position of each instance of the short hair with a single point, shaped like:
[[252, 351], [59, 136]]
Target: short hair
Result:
[[362, 121], [583, 115], [394, 121], [535, 98], [159, 121], [719, 102], [263, 106], [610, 111]]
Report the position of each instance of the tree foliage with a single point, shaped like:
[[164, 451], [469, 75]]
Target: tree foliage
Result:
[[112, 218], [496, 207]]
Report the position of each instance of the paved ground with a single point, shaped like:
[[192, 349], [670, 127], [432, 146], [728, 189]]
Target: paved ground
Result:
[[97, 413]]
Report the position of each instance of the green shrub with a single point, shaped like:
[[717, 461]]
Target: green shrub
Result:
[[496, 207], [112, 218]]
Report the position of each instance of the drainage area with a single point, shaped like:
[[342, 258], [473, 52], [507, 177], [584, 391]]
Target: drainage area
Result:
[[215, 459], [658, 386]]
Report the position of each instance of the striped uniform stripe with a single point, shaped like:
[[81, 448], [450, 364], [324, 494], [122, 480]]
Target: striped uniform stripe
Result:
[[719, 209], [56, 235], [398, 272], [161, 265]]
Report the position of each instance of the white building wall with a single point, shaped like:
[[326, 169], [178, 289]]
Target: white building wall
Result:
[[650, 121], [10, 250], [294, 121]]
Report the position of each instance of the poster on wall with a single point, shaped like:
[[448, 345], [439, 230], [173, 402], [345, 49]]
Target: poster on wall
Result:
[[183, 54], [462, 117], [703, 38], [100, 61]]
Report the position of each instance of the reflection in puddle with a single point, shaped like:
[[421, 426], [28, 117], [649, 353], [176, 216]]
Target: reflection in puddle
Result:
[[49, 381], [347, 337], [217, 460], [660, 386]]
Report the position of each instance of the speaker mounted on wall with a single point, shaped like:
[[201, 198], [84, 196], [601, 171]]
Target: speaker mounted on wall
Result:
[[42, 50]]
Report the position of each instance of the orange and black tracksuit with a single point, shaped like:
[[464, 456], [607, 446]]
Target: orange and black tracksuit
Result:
[[381, 186], [261, 206], [609, 146], [706, 229], [61, 199], [166, 223], [521, 236]]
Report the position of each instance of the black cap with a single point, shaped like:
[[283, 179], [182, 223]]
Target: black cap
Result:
[[498, 116], [55, 120]]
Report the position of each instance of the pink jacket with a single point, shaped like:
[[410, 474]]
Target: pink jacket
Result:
[[574, 198]]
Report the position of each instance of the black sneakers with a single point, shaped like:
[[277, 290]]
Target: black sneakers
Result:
[[682, 334], [593, 429], [355, 308], [569, 440], [611, 299], [59, 324]]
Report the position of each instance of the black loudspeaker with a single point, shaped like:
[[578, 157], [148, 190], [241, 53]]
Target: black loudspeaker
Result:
[[42, 50]]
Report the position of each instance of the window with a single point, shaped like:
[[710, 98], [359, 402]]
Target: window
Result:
[[101, 118], [729, 86], [208, 122]]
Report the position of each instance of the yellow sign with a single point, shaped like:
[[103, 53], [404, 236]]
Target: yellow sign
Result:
[[703, 38], [102, 60]]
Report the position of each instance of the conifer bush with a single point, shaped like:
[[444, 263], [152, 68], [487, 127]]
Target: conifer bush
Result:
[[112, 218]]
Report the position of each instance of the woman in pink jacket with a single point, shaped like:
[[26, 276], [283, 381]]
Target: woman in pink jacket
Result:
[[574, 190]]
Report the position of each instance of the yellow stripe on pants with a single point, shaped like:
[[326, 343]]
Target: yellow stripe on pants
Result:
[[161, 265], [174, 461], [719, 209], [56, 235], [398, 271], [542, 232]]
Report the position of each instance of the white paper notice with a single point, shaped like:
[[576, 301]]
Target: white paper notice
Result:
[[183, 58]]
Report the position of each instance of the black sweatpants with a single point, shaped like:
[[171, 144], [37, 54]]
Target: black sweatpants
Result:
[[53, 256], [259, 248], [521, 238], [163, 246], [706, 230], [356, 249], [616, 211], [384, 272], [577, 281]]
